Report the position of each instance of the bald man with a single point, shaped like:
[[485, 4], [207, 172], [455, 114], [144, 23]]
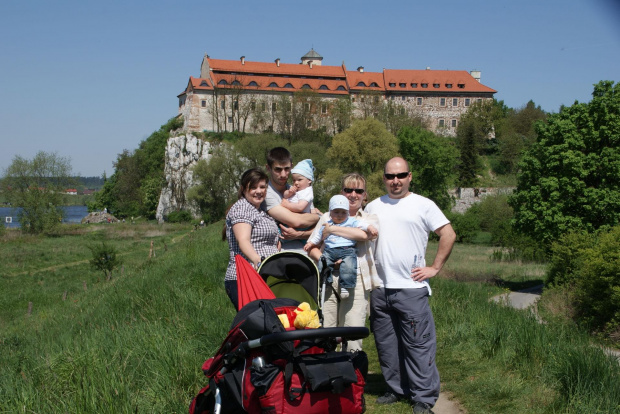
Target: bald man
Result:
[[400, 315]]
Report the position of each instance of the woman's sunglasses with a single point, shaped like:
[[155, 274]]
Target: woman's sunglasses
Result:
[[400, 176], [357, 190]]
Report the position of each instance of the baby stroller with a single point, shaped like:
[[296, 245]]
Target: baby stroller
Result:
[[264, 367]]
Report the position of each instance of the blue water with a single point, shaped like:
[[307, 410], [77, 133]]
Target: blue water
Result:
[[73, 214]]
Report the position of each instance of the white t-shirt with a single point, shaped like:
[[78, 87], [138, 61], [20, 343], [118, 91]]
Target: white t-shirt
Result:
[[405, 226], [273, 198], [307, 194]]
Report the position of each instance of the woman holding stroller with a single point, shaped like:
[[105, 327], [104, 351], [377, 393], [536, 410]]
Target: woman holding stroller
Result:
[[251, 232], [352, 310]]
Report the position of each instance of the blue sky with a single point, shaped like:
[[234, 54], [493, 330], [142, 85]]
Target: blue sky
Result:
[[87, 79]]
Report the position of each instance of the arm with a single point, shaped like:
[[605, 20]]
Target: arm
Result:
[[290, 192], [291, 219], [297, 207], [242, 232], [447, 237], [289, 233], [351, 233]]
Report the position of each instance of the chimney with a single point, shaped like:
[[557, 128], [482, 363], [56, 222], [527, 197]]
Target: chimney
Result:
[[278, 62], [360, 69], [475, 74], [428, 68], [243, 60]]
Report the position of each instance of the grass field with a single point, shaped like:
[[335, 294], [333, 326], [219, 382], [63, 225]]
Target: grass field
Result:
[[73, 341]]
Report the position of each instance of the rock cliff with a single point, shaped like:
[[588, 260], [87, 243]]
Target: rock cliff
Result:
[[182, 153]]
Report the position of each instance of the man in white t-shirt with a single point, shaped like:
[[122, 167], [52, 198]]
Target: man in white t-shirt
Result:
[[400, 316], [279, 164]]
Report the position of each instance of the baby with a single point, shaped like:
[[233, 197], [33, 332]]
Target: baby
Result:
[[298, 198], [340, 248]]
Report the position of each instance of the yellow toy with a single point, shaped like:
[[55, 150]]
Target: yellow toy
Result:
[[305, 317]]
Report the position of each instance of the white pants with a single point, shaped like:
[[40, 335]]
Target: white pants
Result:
[[351, 311]]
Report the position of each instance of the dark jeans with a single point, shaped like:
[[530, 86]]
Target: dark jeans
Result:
[[232, 292], [348, 267]]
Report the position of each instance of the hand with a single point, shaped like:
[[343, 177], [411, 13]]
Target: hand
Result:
[[326, 230], [372, 231], [316, 211], [420, 274], [288, 233], [290, 192], [308, 246], [337, 264]]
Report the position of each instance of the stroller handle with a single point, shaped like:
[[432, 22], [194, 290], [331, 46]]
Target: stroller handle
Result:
[[353, 332]]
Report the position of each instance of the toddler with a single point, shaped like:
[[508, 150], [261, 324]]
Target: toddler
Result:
[[298, 198], [340, 248]]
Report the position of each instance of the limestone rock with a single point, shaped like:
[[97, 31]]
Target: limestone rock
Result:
[[99, 217]]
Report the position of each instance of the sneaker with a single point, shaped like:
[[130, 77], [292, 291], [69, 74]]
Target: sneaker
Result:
[[388, 398], [421, 408], [344, 293]]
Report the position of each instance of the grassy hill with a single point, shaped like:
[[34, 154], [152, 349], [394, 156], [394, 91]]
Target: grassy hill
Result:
[[136, 342]]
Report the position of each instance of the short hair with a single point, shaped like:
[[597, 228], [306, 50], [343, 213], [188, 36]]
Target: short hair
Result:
[[278, 155], [350, 178], [250, 178]]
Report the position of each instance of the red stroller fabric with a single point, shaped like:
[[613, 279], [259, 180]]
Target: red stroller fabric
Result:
[[250, 285]]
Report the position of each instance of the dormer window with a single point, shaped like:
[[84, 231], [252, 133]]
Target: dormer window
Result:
[[425, 85], [204, 83], [374, 85], [461, 85], [414, 85], [392, 84], [288, 85], [449, 85], [435, 85], [222, 82], [361, 84], [236, 83], [252, 84], [340, 88], [273, 85], [306, 86], [402, 85], [323, 87]]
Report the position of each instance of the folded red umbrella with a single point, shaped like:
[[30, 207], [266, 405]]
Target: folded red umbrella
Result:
[[250, 285]]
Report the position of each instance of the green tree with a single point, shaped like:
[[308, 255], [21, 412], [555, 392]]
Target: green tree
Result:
[[569, 177], [217, 181], [433, 162], [37, 186]]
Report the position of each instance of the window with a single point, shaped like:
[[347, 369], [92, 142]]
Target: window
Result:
[[288, 85], [461, 85], [454, 123], [362, 99], [392, 85], [467, 101], [203, 103], [308, 123], [374, 85], [402, 110], [479, 100], [253, 105], [455, 101], [402, 85], [305, 86], [222, 82], [419, 101], [449, 85], [323, 87], [425, 85], [403, 98], [307, 106], [222, 104], [392, 97], [204, 83], [353, 99], [442, 101], [236, 83], [323, 108], [435, 85], [340, 88], [263, 106], [230, 119], [274, 106], [252, 84], [235, 105], [361, 84], [441, 123], [289, 106], [273, 85], [414, 85]]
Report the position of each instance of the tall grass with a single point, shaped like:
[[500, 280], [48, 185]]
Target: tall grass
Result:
[[136, 343]]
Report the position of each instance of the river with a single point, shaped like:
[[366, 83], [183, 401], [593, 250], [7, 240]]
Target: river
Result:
[[73, 214]]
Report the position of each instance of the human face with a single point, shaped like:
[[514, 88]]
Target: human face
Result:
[[278, 174], [397, 187], [300, 182], [256, 195], [355, 199], [338, 215]]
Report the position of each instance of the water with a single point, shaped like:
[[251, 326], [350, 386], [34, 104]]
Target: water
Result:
[[73, 214]]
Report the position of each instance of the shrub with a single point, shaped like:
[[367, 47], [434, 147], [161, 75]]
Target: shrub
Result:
[[104, 258], [465, 225], [566, 258], [182, 216]]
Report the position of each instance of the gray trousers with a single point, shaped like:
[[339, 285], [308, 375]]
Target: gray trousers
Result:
[[402, 323]]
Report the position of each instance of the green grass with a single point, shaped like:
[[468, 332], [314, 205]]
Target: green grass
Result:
[[136, 343]]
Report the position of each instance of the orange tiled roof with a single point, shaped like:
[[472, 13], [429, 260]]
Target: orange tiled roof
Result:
[[437, 81], [279, 83], [197, 84], [272, 68], [365, 80]]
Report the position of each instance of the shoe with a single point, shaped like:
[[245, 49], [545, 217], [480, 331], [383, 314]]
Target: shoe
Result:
[[344, 293], [421, 408], [389, 398]]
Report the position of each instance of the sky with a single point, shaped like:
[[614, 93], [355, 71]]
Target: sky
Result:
[[88, 79]]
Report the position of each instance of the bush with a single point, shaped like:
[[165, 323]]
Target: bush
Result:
[[566, 258], [182, 216], [465, 225], [104, 258]]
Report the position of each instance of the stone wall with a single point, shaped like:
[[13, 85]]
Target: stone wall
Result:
[[466, 197], [182, 153]]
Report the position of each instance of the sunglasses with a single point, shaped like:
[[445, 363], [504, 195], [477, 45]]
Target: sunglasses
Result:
[[400, 176], [357, 190]]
